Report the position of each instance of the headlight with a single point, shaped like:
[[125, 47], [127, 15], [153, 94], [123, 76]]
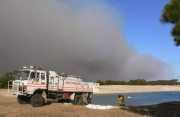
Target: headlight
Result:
[[25, 86]]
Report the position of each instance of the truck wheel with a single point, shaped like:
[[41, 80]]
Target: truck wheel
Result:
[[21, 99], [78, 100], [37, 100]]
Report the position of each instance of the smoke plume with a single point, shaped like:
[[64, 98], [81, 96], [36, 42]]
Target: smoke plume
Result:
[[79, 40]]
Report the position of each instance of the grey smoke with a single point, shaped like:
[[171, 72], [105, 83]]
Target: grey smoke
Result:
[[81, 41]]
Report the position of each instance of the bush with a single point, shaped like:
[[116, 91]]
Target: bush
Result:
[[6, 77], [100, 82]]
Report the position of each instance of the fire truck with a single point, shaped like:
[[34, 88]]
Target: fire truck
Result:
[[37, 86]]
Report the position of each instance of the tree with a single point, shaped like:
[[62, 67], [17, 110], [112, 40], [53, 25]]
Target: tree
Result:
[[6, 77], [100, 82], [39, 68], [137, 82], [121, 82], [171, 14], [108, 82]]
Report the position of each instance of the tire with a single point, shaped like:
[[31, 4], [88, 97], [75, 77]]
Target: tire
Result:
[[78, 100], [37, 100], [60, 101], [22, 99]]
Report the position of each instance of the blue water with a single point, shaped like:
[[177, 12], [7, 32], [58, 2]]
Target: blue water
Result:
[[137, 99]]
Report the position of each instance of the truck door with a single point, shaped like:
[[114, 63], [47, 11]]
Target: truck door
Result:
[[37, 80], [42, 78]]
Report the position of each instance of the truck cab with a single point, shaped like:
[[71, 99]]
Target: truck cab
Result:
[[27, 76]]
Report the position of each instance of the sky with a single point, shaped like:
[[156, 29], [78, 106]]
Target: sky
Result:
[[96, 39], [144, 32]]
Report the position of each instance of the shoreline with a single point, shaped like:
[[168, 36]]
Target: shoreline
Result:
[[107, 89]]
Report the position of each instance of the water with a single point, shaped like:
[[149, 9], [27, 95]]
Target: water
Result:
[[137, 99]]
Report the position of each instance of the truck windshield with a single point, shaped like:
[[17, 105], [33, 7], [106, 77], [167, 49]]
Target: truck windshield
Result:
[[23, 75]]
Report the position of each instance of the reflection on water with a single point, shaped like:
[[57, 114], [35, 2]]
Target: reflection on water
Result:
[[137, 99]]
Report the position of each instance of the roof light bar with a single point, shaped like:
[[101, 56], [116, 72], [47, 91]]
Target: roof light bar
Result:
[[33, 67], [24, 67]]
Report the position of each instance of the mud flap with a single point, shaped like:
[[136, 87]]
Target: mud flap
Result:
[[44, 96]]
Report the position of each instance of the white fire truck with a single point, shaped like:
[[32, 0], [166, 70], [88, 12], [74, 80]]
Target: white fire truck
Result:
[[36, 86]]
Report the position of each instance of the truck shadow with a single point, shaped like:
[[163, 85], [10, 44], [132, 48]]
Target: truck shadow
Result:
[[49, 102], [169, 109]]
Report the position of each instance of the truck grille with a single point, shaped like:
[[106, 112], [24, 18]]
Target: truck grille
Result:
[[17, 88]]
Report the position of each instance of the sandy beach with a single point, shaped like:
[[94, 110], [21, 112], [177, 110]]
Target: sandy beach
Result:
[[134, 88]]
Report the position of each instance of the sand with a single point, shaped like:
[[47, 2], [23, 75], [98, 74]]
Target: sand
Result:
[[134, 88]]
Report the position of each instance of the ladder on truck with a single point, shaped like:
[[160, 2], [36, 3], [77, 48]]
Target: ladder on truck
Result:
[[10, 85]]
